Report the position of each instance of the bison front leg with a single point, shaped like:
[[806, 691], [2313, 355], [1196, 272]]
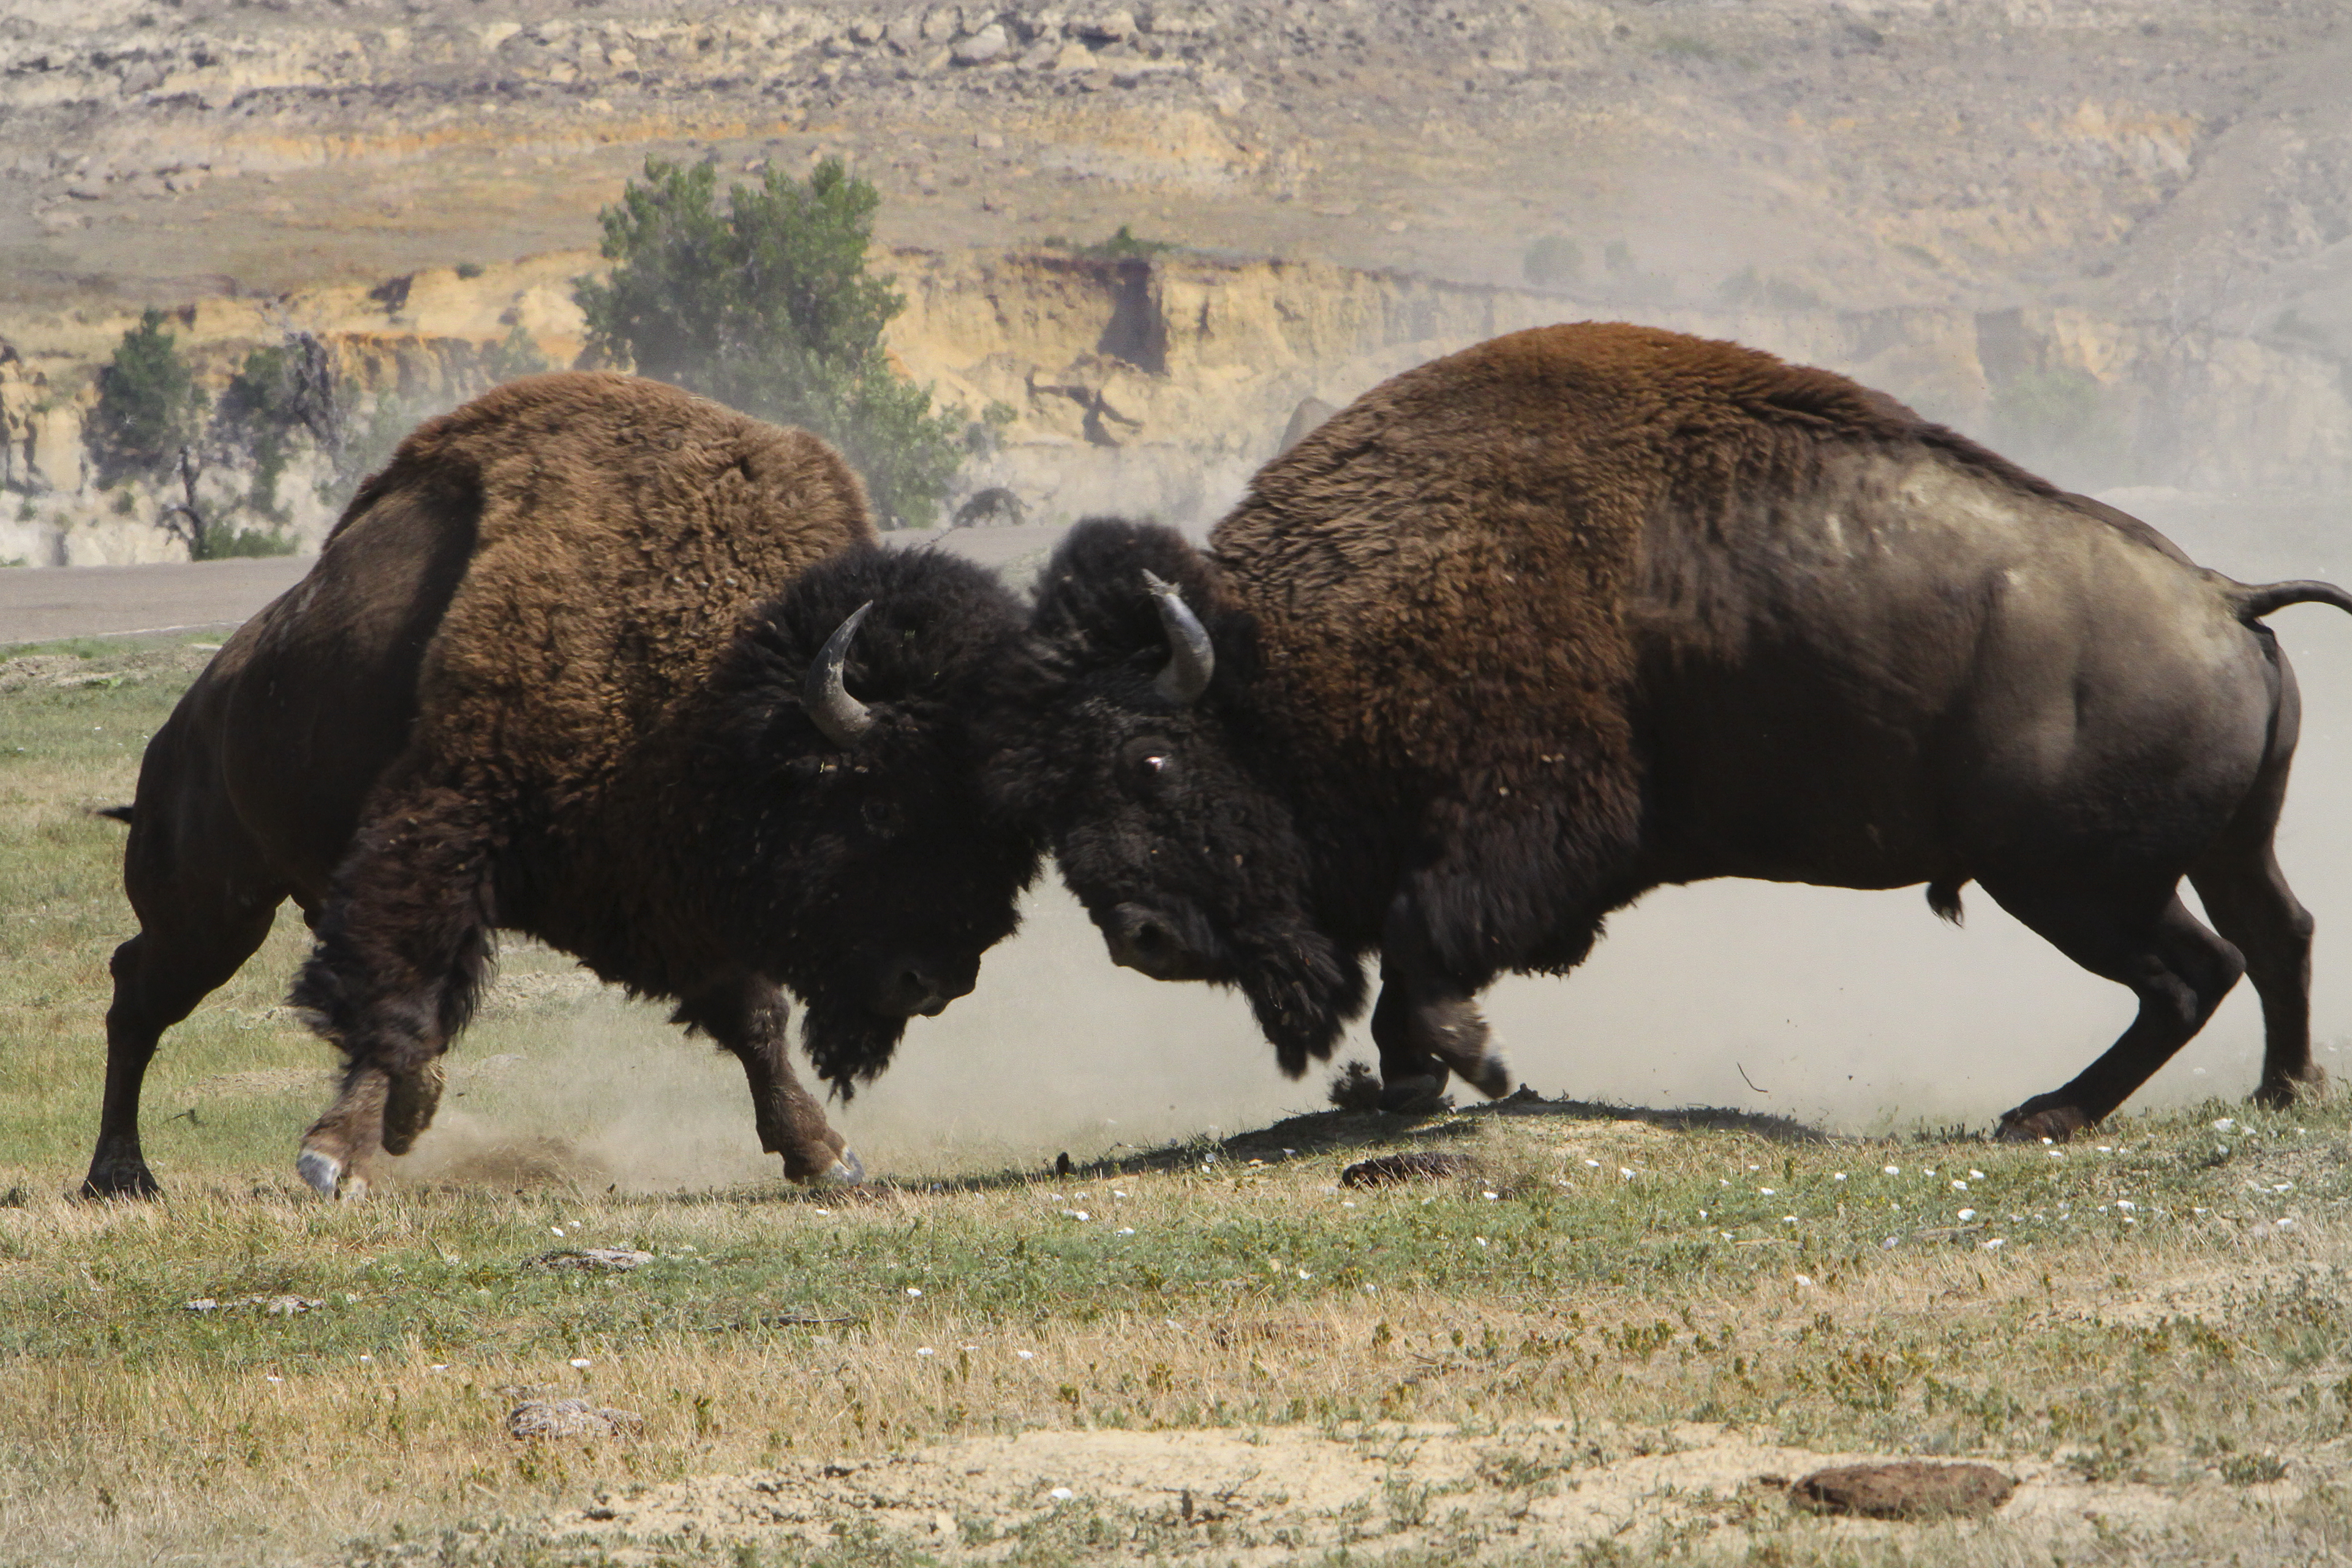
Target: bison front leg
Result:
[[338, 1153], [1426, 1021], [747, 1017], [404, 948]]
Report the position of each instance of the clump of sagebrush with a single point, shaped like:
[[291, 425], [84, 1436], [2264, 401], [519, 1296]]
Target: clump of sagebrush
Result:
[[1125, 244], [766, 305]]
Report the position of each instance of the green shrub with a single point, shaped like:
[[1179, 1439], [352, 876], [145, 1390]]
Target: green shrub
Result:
[[260, 412], [516, 355], [149, 405], [1119, 247], [767, 306]]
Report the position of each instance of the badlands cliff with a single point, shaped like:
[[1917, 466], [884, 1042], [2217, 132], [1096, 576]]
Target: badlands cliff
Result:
[[2115, 237]]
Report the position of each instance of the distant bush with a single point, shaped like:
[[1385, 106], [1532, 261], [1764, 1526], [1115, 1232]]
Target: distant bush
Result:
[[516, 355], [260, 414], [767, 307], [230, 543], [150, 407], [1553, 260], [1118, 248]]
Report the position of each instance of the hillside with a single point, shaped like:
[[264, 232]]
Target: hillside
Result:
[[2112, 237]]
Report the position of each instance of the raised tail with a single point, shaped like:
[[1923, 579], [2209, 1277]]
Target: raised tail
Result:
[[2257, 600]]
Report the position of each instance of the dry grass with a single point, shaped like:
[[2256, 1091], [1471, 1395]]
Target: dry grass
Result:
[[1589, 1349]]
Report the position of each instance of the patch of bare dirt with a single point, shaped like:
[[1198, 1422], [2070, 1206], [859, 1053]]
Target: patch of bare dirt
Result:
[[1268, 1495]]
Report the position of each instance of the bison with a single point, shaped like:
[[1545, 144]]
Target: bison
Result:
[[1530, 631], [600, 661]]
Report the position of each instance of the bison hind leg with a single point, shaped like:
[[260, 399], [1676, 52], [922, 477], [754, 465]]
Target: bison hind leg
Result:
[[2137, 937]]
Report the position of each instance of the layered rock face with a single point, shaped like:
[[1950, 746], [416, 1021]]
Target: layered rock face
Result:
[[2113, 237]]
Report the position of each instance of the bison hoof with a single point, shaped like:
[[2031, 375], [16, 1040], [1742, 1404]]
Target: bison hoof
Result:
[[1421, 1095], [846, 1171], [2281, 1093], [115, 1183], [1453, 1032], [324, 1172], [2036, 1121]]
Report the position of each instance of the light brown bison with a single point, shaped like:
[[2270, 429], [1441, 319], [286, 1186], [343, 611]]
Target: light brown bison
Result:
[[1530, 631], [579, 663]]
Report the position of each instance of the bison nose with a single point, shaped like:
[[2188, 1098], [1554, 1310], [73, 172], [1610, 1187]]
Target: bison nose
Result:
[[911, 988], [1141, 940]]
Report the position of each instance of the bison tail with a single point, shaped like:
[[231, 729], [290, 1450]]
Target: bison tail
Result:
[[119, 813], [2257, 600], [1944, 897]]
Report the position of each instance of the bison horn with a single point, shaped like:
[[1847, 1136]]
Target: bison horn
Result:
[[1192, 656], [830, 706]]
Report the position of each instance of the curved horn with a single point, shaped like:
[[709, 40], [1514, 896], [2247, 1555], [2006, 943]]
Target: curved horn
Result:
[[1192, 656], [830, 706]]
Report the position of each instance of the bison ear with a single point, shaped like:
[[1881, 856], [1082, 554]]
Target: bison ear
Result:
[[831, 707], [1192, 656]]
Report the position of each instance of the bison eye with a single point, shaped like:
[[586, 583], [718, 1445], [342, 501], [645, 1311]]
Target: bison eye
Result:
[[1147, 763]]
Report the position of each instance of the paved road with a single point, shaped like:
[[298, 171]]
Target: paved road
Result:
[[41, 604]]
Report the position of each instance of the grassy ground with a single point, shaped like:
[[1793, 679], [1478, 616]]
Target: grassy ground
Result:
[[1599, 1343]]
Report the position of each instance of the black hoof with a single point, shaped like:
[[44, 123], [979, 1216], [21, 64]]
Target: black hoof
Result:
[[97, 1187], [1420, 1096], [2042, 1119]]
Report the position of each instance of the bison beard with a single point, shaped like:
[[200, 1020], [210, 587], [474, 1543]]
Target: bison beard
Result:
[[1532, 629]]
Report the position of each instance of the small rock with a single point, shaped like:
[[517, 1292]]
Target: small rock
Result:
[[980, 47], [270, 1306], [571, 1418], [987, 140], [1418, 1165], [905, 34], [866, 32], [1102, 26], [594, 1259], [942, 24], [1905, 1489]]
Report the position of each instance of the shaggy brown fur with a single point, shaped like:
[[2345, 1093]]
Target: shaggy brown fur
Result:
[[1533, 628], [543, 669]]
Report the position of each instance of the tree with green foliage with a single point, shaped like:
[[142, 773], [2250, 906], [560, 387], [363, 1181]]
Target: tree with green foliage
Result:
[[258, 414], [149, 409], [767, 307]]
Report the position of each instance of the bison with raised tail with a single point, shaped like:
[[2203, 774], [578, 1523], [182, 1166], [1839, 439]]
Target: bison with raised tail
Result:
[[600, 661], [1530, 631]]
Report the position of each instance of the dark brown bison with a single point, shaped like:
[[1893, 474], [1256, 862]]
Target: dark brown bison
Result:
[[1532, 629], [580, 662]]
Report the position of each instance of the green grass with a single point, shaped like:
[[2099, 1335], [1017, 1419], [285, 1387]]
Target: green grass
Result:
[[1603, 1292]]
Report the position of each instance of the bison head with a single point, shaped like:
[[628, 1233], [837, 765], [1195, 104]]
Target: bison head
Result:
[[866, 871], [1127, 733]]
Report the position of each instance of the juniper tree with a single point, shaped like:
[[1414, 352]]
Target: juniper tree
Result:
[[767, 306]]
